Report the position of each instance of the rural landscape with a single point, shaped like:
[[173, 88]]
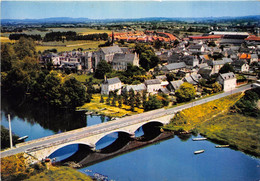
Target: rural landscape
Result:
[[114, 94]]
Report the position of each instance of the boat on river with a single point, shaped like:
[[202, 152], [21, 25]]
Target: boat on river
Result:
[[222, 146], [198, 139], [199, 151]]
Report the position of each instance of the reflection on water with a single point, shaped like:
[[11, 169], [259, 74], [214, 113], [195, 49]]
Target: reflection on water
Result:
[[37, 122]]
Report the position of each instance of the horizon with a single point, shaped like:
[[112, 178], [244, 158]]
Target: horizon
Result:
[[127, 9]]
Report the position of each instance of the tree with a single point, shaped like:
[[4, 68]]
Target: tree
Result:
[[101, 99], [102, 68], [25, 47], [137, 99], [125, 97], [186, 92], [114, 101], [216, 87], [108, 101], [120, 101], [152, 103], [132, 99], [226, 68], [7, 57]]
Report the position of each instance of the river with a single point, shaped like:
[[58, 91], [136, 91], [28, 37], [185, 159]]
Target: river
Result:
[[171, 159]]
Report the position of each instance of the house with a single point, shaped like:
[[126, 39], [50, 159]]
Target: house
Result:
[[107, 53], [205, 72], [174, 85], [153, 85], [174, 67], [161, 77], [228, 81], [193, 79], [240, 66], [197, 48], [217, 65], [111, 85], [190, 61], [174, 58], [254, 58], [121, 60], [136, 88]]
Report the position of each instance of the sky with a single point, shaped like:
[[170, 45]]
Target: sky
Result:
[[126, 9]]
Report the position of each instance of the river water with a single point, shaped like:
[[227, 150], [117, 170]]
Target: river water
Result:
[[168, 160]]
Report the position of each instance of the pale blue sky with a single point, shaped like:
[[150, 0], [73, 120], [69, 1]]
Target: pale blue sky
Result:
[[126, 9]]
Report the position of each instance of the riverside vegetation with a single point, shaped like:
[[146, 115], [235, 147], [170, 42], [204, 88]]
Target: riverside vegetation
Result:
[[233, 120], [23, 167]]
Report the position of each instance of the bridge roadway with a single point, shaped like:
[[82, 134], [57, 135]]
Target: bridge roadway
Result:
[[73, 135]]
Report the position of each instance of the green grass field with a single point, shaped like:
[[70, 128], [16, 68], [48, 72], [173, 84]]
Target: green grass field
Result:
[[70, 45]]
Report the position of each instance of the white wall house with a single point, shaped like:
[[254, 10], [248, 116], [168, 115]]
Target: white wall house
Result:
[[153, 85], [111, 85], [228, 81]]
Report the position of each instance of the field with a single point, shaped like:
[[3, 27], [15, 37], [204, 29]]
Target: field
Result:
[[108, 110], [6, 40], [60, 173], [190, 118], [82, 31], [69, 45], [214, 120]]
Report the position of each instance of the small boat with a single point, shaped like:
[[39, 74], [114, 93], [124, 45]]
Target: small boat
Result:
[[198, 139], [88, 113], [22, 138], [222, 146], [199, 151]]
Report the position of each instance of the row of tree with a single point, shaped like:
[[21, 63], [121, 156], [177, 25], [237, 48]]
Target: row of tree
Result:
[[18, 36], [71, 35]]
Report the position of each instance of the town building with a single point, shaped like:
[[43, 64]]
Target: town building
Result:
[[111, 85], [121, 60], [228, 81]]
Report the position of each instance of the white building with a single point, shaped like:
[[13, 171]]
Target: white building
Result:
[[228, 81], [153, 85], [111, 85]]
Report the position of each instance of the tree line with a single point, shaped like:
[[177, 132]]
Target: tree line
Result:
[[18, 36], [72, 35], [23, 78]]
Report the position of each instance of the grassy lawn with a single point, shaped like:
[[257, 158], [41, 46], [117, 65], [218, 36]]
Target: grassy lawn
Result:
[[93, 45], [236, 130], [82, 78], [108, 110], [60, 173], [190, 118], [214, 120], [6, 40]]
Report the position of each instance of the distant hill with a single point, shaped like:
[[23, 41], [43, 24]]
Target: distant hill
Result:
[[87, 20]]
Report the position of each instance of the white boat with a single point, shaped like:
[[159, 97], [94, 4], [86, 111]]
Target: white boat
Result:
[[198, 139], [199, 151], [222, 146], [22, 138]]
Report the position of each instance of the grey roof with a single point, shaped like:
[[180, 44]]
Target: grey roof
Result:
[[173, 66], [254, 56], [239, 63], [138, 87], [112, 49], [227, 60], [195, 47], [161, 77], [189, 59], [152, 81], [164, 90], [174, 58], [112, 81], [232, 41], [176, 84], [205, 71], [218, 62], [121, 57], [227, 76], [193, 79], [125, 50]]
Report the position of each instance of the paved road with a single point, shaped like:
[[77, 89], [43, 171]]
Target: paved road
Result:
[[108, 126]]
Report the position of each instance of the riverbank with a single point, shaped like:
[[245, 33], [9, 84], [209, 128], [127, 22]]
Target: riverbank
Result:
[[24, 167], [215, 121], [103, 109]]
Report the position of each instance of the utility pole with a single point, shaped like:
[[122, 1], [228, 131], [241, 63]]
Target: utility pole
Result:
[[10, 132]]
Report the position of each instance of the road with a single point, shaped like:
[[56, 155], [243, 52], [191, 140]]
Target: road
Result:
[[61, 138]]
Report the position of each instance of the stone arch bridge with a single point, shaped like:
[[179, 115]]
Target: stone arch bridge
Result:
[[91, 135]]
